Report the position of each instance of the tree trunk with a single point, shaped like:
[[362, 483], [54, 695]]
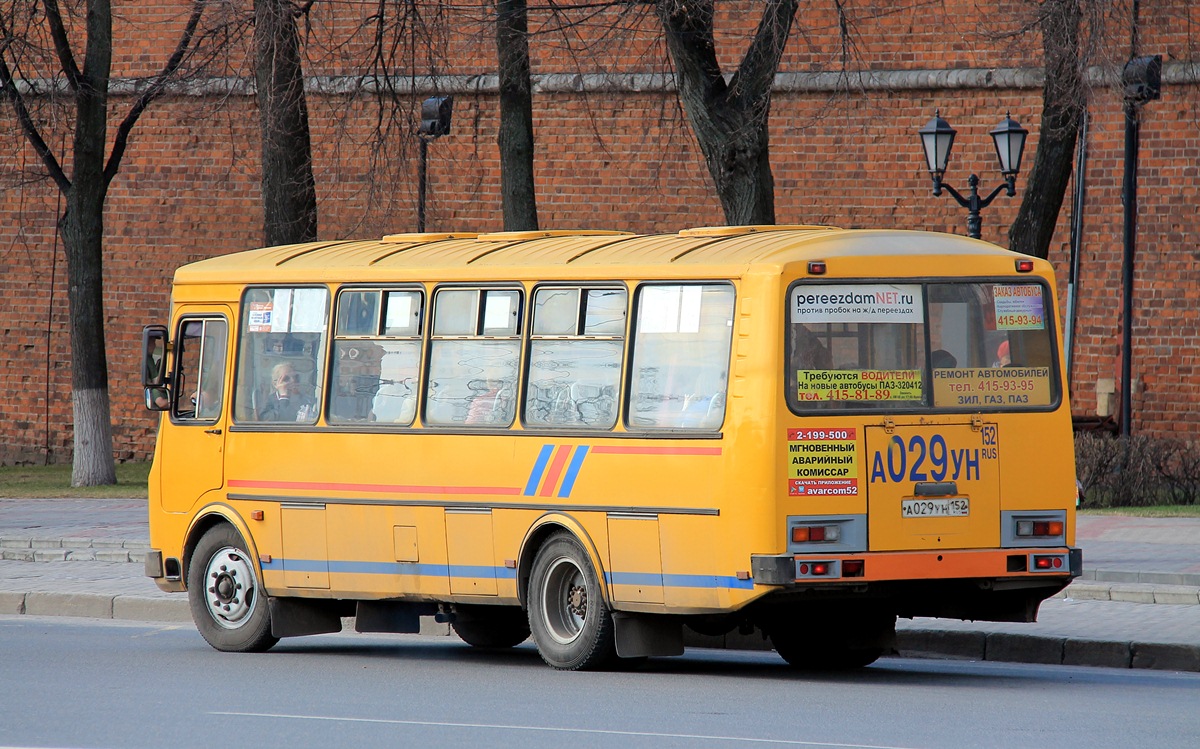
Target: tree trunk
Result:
[[1063, 102], [730, 120], [83, 237], [515, 137], [288, 188]]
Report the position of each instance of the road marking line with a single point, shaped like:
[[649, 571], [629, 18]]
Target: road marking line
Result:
[[647, 734]]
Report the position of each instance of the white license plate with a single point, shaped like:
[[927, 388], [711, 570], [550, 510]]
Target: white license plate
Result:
[[935, 508]]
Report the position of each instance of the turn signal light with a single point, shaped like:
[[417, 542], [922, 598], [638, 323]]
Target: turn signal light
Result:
[[803, 534], [1039, 528]]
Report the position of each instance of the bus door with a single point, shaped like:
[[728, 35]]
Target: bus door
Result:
[[191, 447], [933, 486]]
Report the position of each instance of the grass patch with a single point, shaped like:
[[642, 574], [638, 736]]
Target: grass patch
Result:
[[55, 481], [1156, 511]]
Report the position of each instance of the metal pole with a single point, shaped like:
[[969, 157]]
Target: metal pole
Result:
[[1077, 203], [421, 178], [1129, 198], [974, 220]]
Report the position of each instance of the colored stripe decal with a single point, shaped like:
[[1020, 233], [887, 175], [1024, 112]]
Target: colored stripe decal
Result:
[[560, 459], [391, 568], [535, 476], [499, 573], [374, 488], [631, 450], [573, 471], [678, 581]]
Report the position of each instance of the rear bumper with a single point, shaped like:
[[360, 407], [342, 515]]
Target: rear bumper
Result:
[[1061, 565]]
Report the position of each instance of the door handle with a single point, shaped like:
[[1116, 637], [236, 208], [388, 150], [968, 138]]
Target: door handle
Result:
[[213, 431]]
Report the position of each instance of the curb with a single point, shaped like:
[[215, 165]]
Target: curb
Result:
[[910, 643]]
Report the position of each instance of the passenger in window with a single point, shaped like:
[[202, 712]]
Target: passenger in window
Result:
[[943, 359], [207, 400], [1003, 359], [810, 353], [288, 401]]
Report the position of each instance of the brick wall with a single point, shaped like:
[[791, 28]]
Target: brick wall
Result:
[[617, 157]]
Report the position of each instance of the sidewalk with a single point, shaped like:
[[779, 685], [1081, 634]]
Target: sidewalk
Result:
[[1136, 606]]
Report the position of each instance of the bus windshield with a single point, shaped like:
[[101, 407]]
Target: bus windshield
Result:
[[933, 345]]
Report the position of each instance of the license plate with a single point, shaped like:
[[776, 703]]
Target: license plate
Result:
[[935, 508]]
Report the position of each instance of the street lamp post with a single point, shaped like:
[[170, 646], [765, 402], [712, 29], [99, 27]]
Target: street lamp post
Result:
[[937, 138]]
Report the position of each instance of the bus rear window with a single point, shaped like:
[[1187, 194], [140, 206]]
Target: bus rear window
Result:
[[953, 345]]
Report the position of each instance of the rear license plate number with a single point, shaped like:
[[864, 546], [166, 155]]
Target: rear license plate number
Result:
[[956, 507]]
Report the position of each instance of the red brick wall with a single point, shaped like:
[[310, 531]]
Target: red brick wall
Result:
[[189, 186]]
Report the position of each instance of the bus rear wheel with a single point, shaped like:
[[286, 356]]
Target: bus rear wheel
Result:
[[571, 624], [491, 626], [226, 599], [837, 646]]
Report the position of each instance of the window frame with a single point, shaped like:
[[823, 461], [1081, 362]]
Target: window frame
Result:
[[320, 358], [177, 393], [480, 328], [583, 288], [926, 405], [380, 335], [631, 356]]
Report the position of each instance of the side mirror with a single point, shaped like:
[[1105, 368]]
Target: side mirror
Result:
[[154, 356], [154, 368]]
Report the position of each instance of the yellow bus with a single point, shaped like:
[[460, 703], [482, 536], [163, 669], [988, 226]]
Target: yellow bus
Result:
[[610, 441]]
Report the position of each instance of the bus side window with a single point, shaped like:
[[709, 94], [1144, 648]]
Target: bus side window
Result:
[[376, 356], [281, 354], [200, 369], [474, 357], [575, 354], [681, 352]]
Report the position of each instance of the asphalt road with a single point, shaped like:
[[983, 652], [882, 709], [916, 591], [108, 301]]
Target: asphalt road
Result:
[[88, 683]]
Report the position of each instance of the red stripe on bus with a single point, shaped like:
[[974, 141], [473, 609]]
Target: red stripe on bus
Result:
[[560, 459], [378, 488], [618, 450]]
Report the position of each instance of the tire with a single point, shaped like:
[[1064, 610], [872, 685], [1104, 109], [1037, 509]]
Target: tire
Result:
[[228, 604], [571, 624], [838, 646], [491, 627]]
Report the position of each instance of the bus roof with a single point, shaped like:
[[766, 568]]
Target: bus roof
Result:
[[725, 250]]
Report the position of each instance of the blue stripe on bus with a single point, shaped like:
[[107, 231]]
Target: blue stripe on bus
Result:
[[677, 581], [499, 573], [573, 471], [539, 467]]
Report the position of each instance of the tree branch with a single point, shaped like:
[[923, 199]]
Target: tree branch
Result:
[[62, 45], [757, 71], [689, 27], [152, 92], [28, 126]]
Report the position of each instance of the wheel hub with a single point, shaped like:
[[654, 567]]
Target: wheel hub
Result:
[[232, 587]]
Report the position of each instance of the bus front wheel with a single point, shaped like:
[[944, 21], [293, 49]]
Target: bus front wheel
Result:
[[224, 594], [570, 622]]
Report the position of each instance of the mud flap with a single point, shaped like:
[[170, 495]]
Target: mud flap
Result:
[[640, 635]]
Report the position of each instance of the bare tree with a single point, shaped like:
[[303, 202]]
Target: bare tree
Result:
[[289, 192], [730, 119], [84, 190], [515, 138], [1064, 100]]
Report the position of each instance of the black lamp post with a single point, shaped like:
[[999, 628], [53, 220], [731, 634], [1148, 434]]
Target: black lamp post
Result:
[[436, 112], [937, 138]]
